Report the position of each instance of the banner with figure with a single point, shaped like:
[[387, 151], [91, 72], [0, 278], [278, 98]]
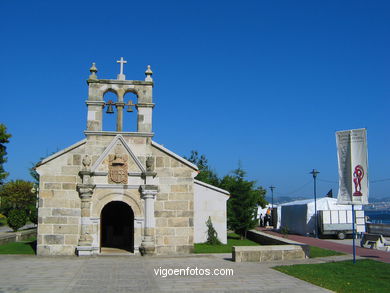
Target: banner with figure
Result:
[[353, 166]]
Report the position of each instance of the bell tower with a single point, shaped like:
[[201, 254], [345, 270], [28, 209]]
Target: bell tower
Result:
[[120, 86]]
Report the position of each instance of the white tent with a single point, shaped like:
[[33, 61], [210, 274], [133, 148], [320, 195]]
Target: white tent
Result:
[[298, 216]]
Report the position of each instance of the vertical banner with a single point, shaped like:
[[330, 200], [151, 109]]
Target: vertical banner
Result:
[[353, 166]]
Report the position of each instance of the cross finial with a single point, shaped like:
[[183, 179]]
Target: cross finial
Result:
[[121, 76]]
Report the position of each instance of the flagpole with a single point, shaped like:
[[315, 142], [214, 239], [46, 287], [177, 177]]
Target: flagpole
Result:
[[353, 234]]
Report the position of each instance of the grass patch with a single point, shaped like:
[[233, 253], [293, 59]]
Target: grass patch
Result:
[[320, 252], [233, 240], [23, 247], [344, 276]]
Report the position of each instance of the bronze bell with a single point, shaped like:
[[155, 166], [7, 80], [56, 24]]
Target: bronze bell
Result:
[[129, 106], [110, 110]]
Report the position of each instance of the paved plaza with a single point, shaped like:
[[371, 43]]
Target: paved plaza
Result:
[[137, 274]]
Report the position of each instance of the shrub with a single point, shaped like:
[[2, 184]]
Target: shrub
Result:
[[16, 219], [212, 235], [284, 231]]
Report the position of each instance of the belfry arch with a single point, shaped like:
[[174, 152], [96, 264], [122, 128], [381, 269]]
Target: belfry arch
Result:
[[97, 104], [109, 122], [130, 116]]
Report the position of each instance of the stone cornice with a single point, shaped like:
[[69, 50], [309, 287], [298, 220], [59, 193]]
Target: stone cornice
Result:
[[95, 103], [114, 133], [172, 154], [220, 190], [148, 173], [148, 188], [85, 190], [144, 105], [81, 185], [117, 186], [85, 172], [132, 174], [148, 191], [115, 81], [60, 153]]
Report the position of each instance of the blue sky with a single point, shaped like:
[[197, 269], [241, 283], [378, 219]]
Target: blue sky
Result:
[[263, 83]]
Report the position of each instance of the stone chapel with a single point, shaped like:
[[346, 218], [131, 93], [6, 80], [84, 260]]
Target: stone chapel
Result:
[[122, 191]]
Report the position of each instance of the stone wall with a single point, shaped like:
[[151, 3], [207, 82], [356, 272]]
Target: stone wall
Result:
[[174, 205], [267, 239], [60, 205], [59, 202], [17, 236], [271, 248], [267, 253]]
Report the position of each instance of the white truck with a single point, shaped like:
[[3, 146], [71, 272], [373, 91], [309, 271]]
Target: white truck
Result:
[[339, 222]]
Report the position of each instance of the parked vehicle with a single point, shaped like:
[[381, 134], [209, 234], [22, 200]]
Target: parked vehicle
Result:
[[339, 222]]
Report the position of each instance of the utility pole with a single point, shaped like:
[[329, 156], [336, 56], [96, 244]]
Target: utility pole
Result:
[[272, 204], [272, 193], [314, 173]]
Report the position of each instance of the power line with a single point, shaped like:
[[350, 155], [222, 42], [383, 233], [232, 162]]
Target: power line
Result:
[[296, 190], [379, 180], [371, 181], [327, 181]]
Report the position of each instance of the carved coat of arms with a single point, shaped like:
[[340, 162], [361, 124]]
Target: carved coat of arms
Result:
[[117, 169]]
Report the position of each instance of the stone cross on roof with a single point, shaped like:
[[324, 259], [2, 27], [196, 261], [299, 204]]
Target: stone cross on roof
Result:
[[121, 76]]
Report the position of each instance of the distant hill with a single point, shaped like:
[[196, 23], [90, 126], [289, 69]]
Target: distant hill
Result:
[[379, 199], [284, 199]]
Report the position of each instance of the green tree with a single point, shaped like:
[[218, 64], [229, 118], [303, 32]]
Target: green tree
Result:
[[17, 195], [243, 202], [34, 174], [212, 235], [16, 219], [4, 138], [206, 174]]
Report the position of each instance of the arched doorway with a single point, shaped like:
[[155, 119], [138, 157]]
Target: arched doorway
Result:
[[117, 226]]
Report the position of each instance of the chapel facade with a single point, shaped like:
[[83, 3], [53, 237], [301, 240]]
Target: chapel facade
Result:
[[122, 191]]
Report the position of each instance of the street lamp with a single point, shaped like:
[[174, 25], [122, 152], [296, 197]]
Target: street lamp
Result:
[[314, 173], [272, 193], [35, 190]]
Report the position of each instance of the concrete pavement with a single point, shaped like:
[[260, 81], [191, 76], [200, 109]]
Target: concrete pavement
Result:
[[137, 274]]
